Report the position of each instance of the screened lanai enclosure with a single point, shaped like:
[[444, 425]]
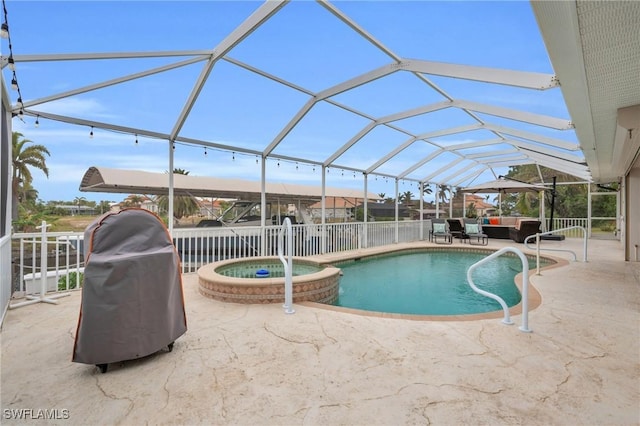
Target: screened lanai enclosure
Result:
[[381, 97]]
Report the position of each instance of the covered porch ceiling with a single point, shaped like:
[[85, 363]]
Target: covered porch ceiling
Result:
[[390, 111]]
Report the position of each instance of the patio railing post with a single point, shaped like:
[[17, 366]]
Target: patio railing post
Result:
[[42, 297]]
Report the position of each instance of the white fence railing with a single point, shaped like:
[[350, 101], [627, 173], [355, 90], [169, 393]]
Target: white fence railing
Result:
[[64, 263], [569, 224], [196, 247], [200, 246]]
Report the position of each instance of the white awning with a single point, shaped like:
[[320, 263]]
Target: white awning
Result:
[[102, 179]]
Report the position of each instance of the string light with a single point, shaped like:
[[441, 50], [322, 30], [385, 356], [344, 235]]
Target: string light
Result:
[[257, 157], [4, 33], [233, 156], [37, 123], [91, 133]]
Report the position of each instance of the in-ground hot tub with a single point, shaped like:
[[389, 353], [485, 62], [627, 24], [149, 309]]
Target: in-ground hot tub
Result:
[[235, 281]]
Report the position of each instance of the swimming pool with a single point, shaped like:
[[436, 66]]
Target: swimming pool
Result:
[[427, 283]]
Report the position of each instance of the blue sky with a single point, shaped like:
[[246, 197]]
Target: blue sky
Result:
[[302, 43]]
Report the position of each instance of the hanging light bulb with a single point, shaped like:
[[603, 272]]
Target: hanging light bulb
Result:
[[205, 151], [136, 139], [256, 159], [37, 123], [11, 62], [4, 31], [233, 156], [14, 83], [91, 133]]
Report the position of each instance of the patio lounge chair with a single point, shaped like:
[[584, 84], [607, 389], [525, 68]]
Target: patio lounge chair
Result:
[[473, 231], [524, 229], [439, 229], [456, 228]]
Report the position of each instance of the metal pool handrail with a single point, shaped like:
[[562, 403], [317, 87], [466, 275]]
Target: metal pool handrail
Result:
[[537, 238], [288, 265], [525, 287]]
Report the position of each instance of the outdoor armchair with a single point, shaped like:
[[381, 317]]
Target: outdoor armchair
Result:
[[439, 229], [456, 229], [473, 232]]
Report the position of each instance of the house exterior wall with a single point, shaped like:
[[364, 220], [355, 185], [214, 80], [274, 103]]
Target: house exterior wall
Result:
[[5, 205], [632, 214]]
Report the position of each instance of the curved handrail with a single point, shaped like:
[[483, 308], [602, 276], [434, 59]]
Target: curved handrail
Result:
[[537, 248], [288, 265], [525, 287]]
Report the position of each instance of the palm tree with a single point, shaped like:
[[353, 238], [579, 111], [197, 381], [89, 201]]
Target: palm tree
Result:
[[405, 198], [183, 205], [105, 206], [443, 193], [136, 200], [79, 201], [426, 189], [25, 157]]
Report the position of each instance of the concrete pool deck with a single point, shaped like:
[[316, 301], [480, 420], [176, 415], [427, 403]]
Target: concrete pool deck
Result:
[[252, 364]]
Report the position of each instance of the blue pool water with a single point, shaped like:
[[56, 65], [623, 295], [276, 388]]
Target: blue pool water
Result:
[[249, 268], [427, 283]]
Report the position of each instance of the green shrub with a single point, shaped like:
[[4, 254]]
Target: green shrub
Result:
[[74, 279]]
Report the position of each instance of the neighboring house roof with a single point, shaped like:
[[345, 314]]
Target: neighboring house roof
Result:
[[478, 202]]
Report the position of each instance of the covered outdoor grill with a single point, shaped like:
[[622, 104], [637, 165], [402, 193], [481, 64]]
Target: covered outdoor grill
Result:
[[132, 300]]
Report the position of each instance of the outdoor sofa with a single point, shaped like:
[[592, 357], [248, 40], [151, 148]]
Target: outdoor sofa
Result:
[[499, 227]]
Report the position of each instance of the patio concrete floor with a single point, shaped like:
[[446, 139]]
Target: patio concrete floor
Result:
[[252, 364]]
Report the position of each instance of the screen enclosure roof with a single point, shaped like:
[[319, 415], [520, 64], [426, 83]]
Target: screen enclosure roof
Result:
[[362, 87]]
